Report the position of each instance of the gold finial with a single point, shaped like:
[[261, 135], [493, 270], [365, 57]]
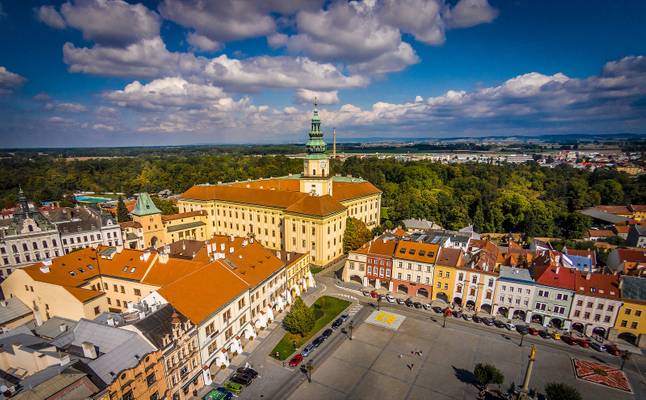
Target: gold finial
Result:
[[532, 353], [316, 102]]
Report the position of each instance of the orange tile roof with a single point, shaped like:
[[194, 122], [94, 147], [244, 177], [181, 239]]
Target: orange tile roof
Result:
[[430, 251], [450, 257], [66, 270], [615, 209], [198, 213], [253, 263], [130, 224], [203, 292], [621, 229], [161, 273], [399, 232], [320, 206], [597, 285], [282, 193], [83, 295], [379, 246], [600, 233], [638, 207]]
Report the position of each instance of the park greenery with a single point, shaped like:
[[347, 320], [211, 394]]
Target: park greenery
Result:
[[487, 374], [325, 309], [355, 235], [527, 198], [300, 319], [561, 391]]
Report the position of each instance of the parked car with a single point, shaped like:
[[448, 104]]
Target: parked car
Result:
[[427, 306], [218, 394], [476, 319], [438, 310], [467, 317], [249, 371], [366, 293], [242, 379], [499, 324], [556, 335], [487, 321], [233, 387], [318, 341], [522, 329], [510, 326], [613, 349], [569, 340], [390, 298], [584, 343], [408, 302], [327, 333], [297, 359], [307, 350], [533, 331], [374, 294], [544, 334], [344, 317], [598, 346], [400, 301], [337, 323], [457, 314], [417, 304]]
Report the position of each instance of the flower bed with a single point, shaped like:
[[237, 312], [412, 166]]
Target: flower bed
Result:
[[601, 374]]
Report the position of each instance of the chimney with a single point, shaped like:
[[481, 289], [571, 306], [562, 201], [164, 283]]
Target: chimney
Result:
[[231, 250], [110, 321], [222, 246], [183, 245], [89, 351], [62, 327], [163, 258], [588, 276], [64, 360], [231, 238], [37, 317], [244, 243]]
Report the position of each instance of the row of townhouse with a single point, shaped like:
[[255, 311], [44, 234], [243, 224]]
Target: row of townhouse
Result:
[[197, 302], [545, 287]]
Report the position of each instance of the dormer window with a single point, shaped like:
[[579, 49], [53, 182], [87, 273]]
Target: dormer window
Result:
[[72, 273], [411, 252], [402, 250]]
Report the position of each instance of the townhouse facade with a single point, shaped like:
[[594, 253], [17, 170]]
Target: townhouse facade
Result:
[[514, 293], [596, 303], [476, 279], [414, 264], [631, 318], [447, 264], [554, 292], [81, 227]]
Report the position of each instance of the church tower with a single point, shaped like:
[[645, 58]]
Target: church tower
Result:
[[149, 217], [316, 166]]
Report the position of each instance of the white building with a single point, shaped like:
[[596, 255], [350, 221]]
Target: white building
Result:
[[81, 227], [514, 293]]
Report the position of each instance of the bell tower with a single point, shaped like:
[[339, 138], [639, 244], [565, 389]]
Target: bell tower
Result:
[[316, 166]]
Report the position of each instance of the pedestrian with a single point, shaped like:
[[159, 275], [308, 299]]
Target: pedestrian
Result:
[[401, 355], [409, 367]]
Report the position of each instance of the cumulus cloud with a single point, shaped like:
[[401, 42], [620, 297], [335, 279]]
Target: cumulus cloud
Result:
[[528, 102], [467, 13], [50, 17], [111, 22], [166, 92], [9, 81], [103, 127], [201, 42], [306, 96]]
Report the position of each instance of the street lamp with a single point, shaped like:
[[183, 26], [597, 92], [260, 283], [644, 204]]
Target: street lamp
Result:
[[378, 303], [350, 326], [522, 336]]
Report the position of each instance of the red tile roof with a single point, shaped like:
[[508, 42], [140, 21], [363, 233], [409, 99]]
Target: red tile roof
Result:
[[597, 285], [560, 277]]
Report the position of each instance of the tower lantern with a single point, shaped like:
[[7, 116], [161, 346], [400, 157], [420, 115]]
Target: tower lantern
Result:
[[316, 166]]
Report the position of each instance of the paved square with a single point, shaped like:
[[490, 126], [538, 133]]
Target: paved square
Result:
[[378, 364]]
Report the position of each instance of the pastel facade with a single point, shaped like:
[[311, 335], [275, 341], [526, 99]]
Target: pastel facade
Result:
[[596, 303], [447, 264], [514, 293], [631, 319], [414, 267]]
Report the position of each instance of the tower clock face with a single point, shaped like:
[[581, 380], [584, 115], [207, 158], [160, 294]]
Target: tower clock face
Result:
[[324, 164]]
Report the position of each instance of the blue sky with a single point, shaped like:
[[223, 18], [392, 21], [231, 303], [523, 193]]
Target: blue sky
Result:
[[106, 72]]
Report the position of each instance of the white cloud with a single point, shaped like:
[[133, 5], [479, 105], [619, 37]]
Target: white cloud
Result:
[[111, 22], [307, 96], [201, 42], [9, 81], [278, 72], [50, 17], [420, 18], [467, 13], [167, 92], [65, 107], [103, 127]]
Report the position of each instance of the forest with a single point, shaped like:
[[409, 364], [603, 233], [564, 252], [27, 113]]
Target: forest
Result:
[[494, 198]]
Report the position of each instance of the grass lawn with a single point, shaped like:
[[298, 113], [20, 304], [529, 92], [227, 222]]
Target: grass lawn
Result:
[[326, 308], [316, 270]]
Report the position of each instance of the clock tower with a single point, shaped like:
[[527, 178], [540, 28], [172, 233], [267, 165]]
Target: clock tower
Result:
[[316, 166]]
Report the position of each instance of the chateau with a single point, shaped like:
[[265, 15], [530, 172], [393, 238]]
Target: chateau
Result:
[[304, 213]]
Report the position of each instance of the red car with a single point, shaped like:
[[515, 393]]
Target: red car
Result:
[[533, 331], [569, 340], [584, 343], [295, 360], [613, 349]]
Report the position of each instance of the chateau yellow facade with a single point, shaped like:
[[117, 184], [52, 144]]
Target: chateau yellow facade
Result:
[[303, 213]]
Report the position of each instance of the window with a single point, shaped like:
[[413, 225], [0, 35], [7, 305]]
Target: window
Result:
[[137, 292], [627, 311], [474, 279], [228, 334], [504, 288], [210, 329], [577, 313], [97, 310], [586, 315], [154, 396], [606, 319], [600, 306], [633, 325], [624, 323], [150, 379], [611, 307], [579, 303], [638, 313], [128, 396], [123, 290], [241, 303]]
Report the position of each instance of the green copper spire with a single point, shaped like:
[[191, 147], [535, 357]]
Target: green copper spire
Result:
[[315, 145], [145, 206]]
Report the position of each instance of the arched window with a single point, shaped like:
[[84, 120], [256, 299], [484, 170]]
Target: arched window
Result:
[[14, 248], [30, 227]]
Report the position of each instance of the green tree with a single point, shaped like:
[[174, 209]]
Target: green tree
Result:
[[487, 374], [355, 235], [300, 318], [561, 391], [165, 206], [122, 211]]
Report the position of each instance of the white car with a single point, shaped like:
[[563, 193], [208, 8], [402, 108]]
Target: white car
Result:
[[511, 326], [390, 298], [426, 306]]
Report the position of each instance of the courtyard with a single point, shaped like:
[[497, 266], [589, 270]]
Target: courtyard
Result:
[[380, 363]]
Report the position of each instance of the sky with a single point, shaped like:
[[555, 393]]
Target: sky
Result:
[[114, 73]]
